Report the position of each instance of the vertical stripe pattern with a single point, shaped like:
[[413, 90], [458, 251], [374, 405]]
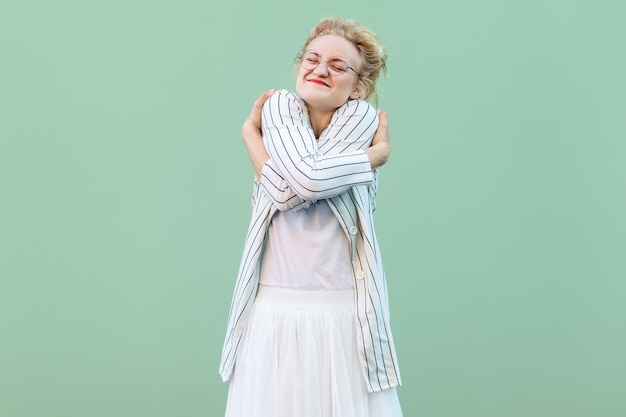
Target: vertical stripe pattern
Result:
[[302, 170]]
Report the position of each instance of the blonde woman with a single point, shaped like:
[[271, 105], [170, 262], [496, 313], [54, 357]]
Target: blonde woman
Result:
[[309, 332]]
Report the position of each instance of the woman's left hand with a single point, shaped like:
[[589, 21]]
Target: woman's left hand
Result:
[[251, 134], [251, 128]]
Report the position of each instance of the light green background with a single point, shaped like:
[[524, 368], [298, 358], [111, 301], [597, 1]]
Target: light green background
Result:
[[125, 192]]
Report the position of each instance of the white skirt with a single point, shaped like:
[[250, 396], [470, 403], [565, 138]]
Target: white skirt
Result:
[[299, 358]]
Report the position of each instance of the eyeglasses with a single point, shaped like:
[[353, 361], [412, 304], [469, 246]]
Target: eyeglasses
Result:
[[336, 67]]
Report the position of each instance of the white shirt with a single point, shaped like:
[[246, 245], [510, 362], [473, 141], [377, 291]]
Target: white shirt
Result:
[[300, 171], [307, 250]]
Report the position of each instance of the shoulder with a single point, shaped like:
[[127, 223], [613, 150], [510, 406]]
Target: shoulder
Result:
[[284, 108], [358, 107], [284, 100], [358, 111]]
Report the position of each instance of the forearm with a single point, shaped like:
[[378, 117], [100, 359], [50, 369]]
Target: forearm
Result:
[[314, 177], [323, 168], [256, 151], [271, 182], [279, 191], [378, 155], [292, 145]]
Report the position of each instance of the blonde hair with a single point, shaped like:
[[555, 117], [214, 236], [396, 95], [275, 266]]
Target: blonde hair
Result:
[[372, 53]]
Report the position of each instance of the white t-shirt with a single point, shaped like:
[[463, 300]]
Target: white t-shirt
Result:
[[307, 250]]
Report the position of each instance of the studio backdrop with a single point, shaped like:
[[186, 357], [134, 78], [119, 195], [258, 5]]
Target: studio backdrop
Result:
[[125, 199]]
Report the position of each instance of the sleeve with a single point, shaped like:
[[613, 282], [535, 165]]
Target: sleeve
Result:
[[372, 190], [299, 170], [278, 190]]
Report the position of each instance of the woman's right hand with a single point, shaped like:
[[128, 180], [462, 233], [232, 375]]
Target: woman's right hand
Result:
[[380, 149]]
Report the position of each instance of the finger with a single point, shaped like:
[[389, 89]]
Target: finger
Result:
[[255, 112], [382, 119], [263, 97], [254, 117], [258, 103]]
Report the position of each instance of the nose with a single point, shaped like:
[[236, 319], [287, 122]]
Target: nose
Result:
[[321, 69]]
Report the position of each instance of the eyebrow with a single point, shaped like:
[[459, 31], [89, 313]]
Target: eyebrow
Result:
[[336, 58]]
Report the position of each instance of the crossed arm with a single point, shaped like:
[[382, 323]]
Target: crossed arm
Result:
[[294, 167]]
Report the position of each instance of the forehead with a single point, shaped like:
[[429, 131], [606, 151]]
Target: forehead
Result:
[[333, 46]]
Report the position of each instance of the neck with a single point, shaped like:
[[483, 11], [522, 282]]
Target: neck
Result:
[[319, 120]]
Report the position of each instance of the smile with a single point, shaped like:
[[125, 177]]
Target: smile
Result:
[[320, 82]]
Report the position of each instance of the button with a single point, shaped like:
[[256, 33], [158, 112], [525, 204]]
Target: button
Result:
[[360, 275], [353, 230]]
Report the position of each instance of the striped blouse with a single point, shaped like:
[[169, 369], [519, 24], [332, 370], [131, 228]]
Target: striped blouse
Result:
[[301, 170]]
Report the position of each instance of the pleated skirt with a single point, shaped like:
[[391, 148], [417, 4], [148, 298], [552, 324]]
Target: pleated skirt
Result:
[[299, 358]]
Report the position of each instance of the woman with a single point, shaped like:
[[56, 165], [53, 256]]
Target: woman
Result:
[[309, 322]]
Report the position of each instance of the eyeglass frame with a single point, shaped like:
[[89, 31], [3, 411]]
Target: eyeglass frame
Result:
[[328, 65]]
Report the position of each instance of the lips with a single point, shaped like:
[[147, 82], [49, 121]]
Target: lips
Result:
[[316, 81]]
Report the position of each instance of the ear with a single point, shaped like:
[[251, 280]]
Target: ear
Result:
[[359, 90]]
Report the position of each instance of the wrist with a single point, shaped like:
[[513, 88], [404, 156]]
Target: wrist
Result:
[[378, 155]]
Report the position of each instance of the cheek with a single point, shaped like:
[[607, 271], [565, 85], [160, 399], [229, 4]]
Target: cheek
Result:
[[345, 85], [299, 84], [357, 89], [300, 76], [302, 73]]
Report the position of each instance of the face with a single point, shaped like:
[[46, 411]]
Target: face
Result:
[[322, 90]]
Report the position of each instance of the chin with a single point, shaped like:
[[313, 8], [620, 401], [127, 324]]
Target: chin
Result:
[[319, 100]]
